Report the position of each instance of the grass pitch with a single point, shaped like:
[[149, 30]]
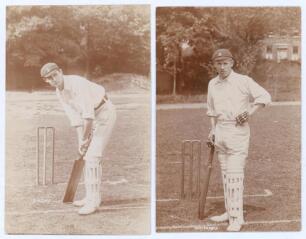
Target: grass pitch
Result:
[[272, 180], [32, 209]]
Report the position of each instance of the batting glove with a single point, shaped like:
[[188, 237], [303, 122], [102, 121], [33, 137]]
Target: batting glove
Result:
[[242, 118], [83, 146], [211, 138]]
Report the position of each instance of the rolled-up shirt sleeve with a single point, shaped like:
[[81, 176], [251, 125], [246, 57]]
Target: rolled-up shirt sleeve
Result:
[[73, 116], [210, 103], [258, 93], [86, 101]]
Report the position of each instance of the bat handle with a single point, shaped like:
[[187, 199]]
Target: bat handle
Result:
[[211, 155]]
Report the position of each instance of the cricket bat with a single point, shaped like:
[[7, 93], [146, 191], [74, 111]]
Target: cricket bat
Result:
[[74, 180], [75, 175], [204, 189]]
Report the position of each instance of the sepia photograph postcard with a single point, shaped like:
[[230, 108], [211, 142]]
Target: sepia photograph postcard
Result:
[[78, 120], [228, 119], [152, 119]]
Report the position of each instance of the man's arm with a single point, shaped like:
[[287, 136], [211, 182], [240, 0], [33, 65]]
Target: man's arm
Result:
[[211, 135], [87, 128], [213, 122], [84, 135], [73, 116], [79, 130], [244, 117], [211, 114], [256, 107], [258, 93]]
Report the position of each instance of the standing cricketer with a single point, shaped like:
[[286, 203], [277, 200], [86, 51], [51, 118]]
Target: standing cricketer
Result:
[[93, 116], [229, 109]]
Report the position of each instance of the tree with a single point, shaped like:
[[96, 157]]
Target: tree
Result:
[[203, 30], [176, 27], [89, 40]]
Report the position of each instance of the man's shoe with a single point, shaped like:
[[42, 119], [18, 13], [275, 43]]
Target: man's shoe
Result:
[[87, 209], [221, 218], [234, 226], [79, 203]]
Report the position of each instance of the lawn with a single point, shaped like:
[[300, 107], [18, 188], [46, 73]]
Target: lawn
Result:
[[272, 199], [33, 209]]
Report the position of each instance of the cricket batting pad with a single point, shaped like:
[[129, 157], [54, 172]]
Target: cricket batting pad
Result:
[[224, 181], [93, 176], [234, 194], [223, 162]]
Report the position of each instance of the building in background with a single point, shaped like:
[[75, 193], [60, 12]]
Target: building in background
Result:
[[279, 48]]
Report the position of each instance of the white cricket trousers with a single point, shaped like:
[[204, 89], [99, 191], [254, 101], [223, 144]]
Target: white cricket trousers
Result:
[[232, 145], [103, 125]]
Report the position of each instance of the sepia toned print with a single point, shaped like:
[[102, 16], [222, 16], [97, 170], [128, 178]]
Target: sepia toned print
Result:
[[78, 120], [228, 119]]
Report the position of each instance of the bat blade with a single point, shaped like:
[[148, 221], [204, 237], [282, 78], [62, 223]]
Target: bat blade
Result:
[[204, 189], [74, 180]]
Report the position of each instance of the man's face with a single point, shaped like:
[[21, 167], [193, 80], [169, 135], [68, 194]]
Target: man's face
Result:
[[55, 79], [224, 67]]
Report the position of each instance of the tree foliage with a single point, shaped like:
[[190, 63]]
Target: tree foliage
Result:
[[93, 40], [187, 37]]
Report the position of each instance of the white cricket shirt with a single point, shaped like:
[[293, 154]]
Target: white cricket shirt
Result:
[[79, 98], [233, 95]]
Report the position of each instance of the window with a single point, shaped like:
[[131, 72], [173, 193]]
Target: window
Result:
[[269, 49], [269, 54], [282, 53], [295, 50], [295, 53]]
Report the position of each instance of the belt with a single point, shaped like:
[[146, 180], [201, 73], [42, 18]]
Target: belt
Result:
[[226, 121], [102, 102]]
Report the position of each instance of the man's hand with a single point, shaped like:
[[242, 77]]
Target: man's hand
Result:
[[242, 118], [84, 135], [83, 146], [211, 138]]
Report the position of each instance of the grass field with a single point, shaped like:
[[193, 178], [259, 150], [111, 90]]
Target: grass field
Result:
[[32, 209], [272, 199]]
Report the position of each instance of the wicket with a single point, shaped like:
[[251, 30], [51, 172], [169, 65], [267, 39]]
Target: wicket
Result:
[[45, 131], [191, 153]]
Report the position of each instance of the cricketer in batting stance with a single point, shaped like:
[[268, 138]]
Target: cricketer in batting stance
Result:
[[93, 116], [229, 108]]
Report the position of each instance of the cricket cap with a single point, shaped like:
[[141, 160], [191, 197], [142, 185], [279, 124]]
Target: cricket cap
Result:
[[222, 54], [48, 68]]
